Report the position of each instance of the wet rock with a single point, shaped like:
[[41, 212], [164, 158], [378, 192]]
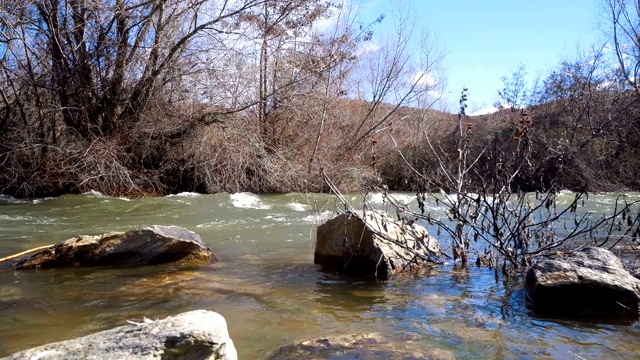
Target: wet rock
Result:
[[147, 246], [196, 334], [374, 244], [590, 281], [358, 346]]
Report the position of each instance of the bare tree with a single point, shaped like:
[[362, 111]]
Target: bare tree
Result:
[[147, 96], [401, 68], [623, 17], [580, 109], [105, 61], [281, 25], [515, 93]]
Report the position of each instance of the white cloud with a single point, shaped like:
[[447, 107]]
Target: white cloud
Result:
[[485, 111], [435, 94], [369, 47], [424, 79], [427, 82]]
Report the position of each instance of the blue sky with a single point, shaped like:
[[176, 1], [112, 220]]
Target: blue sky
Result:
[[487, 39]]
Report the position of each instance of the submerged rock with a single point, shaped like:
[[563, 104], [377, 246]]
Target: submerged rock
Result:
[[376, 244], [357, 346], [147, 246], [195, 334], [586, 282]]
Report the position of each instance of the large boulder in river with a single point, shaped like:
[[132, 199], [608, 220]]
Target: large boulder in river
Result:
[[585, 282], [376, 244], [147, 246], [195, 334]]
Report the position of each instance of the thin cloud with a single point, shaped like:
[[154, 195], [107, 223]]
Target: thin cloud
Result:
[[425, 79], [369, 47]]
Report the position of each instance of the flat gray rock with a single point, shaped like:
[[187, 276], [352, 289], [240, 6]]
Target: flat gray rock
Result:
[[154, 245], [590, 281], [194, 335], [371, 346]]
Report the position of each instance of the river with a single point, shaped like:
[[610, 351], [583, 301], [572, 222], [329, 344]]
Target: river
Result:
[[267, 286]]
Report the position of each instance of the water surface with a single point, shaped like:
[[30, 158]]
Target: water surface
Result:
[[267, 287]]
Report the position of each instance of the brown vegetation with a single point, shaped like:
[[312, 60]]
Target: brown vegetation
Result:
[[156, 97], [152, 97], [580, 129]]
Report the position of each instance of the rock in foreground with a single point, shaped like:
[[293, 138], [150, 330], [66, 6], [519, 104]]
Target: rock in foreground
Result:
[[374, 244], [357, 346], [148, 246], [196, 334], [586, 282]]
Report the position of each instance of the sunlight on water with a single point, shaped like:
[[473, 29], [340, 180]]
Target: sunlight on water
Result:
[[267, 286]]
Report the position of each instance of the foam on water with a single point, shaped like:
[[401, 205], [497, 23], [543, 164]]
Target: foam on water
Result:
[[296, 206], [93, 193], [375, 198], [247, 200], [223, 223], [276, 218], [15, 218], [98, 194], [318, 218], [379, 198], [12, 200], [405, 198], [185, 194]]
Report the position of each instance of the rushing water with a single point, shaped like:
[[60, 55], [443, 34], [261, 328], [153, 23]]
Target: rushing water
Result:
[[267, 287]]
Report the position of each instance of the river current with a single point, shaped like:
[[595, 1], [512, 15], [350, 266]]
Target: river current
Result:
[[267, 286]]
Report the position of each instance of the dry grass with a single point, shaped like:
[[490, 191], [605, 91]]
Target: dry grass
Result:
[[172, 150]]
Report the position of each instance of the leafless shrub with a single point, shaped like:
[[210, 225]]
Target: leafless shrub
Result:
[[512, 225]]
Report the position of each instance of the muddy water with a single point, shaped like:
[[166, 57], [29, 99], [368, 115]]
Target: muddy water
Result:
[[267, 287]]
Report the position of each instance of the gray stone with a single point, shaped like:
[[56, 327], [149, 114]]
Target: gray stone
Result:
[[589, 281], [359, 346], [195, 334], [147, 246], [374, 244]]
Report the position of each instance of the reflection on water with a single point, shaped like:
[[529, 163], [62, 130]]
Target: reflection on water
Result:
[[267, 286]]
